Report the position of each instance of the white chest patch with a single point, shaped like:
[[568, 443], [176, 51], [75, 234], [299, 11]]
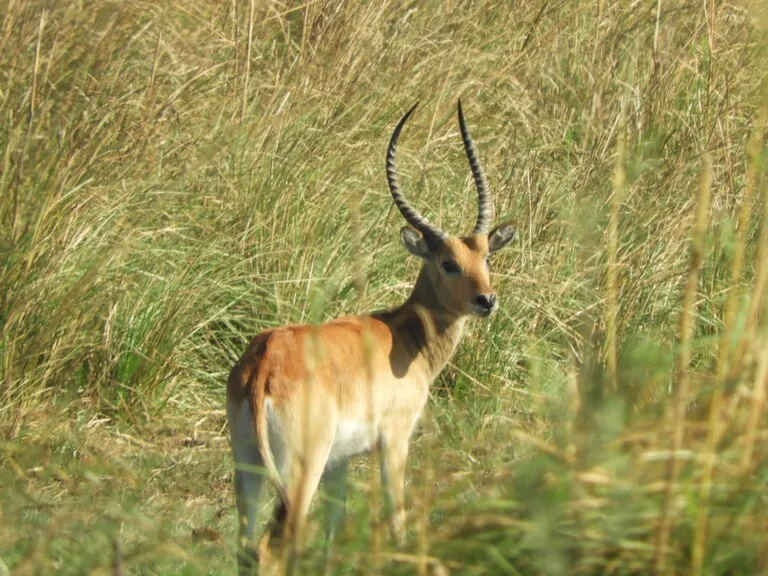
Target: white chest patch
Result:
[[352, 437]]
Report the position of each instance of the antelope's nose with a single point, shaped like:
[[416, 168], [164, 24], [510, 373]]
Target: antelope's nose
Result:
[[486, 302]]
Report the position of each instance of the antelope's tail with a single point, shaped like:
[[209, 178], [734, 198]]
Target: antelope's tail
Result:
[[259, 411]]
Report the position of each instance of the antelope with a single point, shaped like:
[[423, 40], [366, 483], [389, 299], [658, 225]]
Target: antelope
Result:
[[302, 400]]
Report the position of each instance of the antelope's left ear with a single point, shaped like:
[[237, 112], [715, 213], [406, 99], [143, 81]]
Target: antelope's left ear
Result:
[[500, 236]]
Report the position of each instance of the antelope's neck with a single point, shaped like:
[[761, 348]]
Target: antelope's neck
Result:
[[430, 330]]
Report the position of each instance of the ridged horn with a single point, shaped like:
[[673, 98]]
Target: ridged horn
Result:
[[412, 216], [484, 201]]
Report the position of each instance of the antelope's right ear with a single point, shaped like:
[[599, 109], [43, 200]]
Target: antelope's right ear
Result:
[[414, 242], [500, 236]]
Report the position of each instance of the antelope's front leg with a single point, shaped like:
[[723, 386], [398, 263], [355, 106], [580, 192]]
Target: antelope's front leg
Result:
[[335, 481], [394, 456]]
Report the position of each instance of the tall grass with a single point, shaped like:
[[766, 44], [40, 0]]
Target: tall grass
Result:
[[177, 176]]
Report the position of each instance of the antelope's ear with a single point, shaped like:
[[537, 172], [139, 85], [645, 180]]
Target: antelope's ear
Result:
[[414, 242], [500, 236]]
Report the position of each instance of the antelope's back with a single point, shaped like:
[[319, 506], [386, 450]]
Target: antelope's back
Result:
[[339, 359]]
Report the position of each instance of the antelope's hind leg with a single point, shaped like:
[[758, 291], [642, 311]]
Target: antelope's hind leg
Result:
[[287, 526], [249, 480]]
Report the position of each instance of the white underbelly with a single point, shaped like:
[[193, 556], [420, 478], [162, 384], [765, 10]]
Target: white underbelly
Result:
[[352, 437]]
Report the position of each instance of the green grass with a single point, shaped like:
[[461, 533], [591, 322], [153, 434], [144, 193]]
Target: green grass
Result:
[[169, 187]]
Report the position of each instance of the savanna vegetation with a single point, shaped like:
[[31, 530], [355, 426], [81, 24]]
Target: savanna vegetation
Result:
[[176, 176]]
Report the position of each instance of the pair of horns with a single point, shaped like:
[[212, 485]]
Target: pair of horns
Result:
[[414, 218]]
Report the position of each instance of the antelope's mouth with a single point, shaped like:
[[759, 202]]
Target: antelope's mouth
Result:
[[482, 311]]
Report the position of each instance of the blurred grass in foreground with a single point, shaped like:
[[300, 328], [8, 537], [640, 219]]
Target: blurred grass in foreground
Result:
[[177, 176]]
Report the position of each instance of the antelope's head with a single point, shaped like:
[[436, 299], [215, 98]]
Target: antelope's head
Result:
[[456, 266]]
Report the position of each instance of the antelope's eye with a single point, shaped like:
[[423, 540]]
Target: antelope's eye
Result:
[[450, 267]]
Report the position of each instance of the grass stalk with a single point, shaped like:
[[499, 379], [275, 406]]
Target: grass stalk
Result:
[[760, 282], [715, 417], [666, 523], [251, 9], [30, 121], [709, 14], [155, 58], [611, 298], [236, 47], [756, 408], [377, 455]]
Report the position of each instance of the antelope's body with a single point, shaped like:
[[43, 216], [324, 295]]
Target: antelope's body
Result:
[[304, 399]]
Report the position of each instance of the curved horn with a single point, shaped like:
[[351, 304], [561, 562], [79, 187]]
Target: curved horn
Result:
[[409, 213], [484, 202]]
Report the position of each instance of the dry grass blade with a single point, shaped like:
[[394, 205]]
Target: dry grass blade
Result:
[[611, 293], [681, 392], [715, 417]]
